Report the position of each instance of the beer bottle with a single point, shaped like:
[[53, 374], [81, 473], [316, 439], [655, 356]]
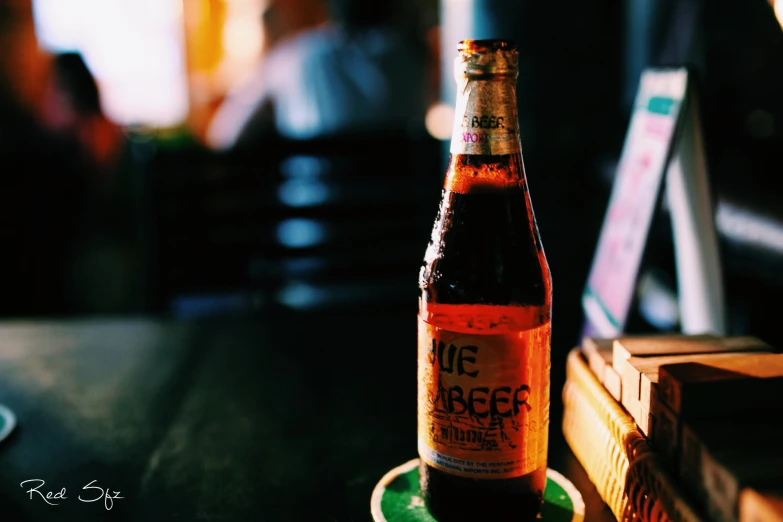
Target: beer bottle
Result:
[[484, 312]]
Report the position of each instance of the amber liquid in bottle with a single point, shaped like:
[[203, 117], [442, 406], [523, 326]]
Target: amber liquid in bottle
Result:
[[484, 317]]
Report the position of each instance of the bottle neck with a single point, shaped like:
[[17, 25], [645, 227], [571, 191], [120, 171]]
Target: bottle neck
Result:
[[485, 118], [485, 146], [472, 172]]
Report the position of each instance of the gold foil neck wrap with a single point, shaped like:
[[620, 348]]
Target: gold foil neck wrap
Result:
[[485, 117]]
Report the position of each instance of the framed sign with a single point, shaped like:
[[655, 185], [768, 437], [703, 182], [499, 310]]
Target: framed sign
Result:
[[663, 143]]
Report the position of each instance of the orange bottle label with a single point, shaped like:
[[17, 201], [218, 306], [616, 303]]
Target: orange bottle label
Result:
[[483, 400]]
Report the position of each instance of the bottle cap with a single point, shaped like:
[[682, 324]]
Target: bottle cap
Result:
[[486, 57], [396, 498]]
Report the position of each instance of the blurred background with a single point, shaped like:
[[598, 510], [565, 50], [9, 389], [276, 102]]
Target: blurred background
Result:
[[194, 158]]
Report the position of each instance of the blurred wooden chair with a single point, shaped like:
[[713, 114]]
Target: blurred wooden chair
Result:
[[338, 222]]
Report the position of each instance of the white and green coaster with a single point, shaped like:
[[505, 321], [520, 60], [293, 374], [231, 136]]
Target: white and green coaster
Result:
[[396, 498], [7, 422]]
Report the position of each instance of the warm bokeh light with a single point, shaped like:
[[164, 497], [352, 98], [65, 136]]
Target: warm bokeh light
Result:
[[243, 38], [779, 11], [135, 50], [439, 120]]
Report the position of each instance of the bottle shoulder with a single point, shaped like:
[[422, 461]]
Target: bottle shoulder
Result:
[[485, 248]]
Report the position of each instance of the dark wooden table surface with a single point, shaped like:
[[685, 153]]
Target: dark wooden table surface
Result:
[[283, 417]]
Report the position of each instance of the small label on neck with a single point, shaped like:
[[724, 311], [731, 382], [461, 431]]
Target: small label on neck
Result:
[[485, 119]]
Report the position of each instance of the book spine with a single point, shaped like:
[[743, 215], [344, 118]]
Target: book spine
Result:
[[690, 463], [711, 398], [669, 391], [666, 436], [596, 448], [627, 460], [612, 415], [648, 392], [646, 424], [722, 489], [613, 383], [633, 492]]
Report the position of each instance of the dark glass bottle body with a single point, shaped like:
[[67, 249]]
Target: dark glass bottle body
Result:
[[485, 259]]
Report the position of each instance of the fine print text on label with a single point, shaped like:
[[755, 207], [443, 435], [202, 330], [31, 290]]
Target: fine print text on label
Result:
[[486, 120], [480, 122], [468, 467]]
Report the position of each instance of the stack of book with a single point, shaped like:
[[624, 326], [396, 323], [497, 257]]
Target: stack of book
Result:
[[681, 428]]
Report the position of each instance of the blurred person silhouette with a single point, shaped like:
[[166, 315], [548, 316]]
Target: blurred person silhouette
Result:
[[361, 70], [101, 271], [72, 108], [42, 181]]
